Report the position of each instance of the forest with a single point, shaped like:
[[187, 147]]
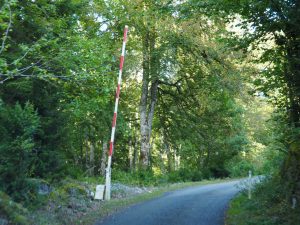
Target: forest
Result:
[[210, 89]]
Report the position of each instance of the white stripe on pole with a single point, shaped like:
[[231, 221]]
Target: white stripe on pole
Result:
[[120, 77], [112, 134], [123, 50], [116, 105], [114, 120]]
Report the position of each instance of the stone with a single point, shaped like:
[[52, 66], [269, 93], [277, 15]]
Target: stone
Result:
[[3, 221], [99, 192], [44, 189]]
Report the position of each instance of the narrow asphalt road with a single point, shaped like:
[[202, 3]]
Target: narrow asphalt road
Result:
[[200, 205]]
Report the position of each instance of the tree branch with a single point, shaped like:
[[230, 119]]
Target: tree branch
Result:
[[7, 30], [22, 57]]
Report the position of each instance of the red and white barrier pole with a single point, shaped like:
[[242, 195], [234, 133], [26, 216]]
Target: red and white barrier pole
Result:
[[114, 120]]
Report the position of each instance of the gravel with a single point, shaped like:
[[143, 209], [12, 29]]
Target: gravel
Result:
[[119, 190]]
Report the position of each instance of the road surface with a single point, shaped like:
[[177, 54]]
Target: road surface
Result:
[[200, 205]]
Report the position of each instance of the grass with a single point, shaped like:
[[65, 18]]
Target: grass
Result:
[[114, 205], [268, 206]]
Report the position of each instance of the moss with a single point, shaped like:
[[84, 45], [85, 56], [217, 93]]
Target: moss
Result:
[[15, 213], [74, 189], [67, 189], [19, 219], [290, 173]]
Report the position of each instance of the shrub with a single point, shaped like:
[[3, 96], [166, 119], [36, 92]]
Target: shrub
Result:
[[141, 178], [18, 127], [239, 168], [184, 174], [12, 211]]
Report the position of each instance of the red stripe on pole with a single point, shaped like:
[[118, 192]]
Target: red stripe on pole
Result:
[[111, 146], [118, 91], [114, 119], [121, 62]]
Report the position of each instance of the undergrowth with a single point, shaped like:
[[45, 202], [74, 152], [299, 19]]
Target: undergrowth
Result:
[[269, 205]]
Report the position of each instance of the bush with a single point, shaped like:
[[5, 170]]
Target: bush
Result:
[[239, 168], [184, 174], [18, 127], [141, 178], [147, 178], [12, 211]]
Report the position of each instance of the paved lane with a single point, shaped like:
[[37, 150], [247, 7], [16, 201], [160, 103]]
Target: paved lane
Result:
[[200, 205]]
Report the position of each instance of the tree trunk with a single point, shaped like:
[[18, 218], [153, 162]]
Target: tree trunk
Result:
[[169, 156], [143, 105], [103, 158], [146, 114], [176, 159], [290, 173], [135, 154], [92, 159], [86, 147], [130, 154], [161, 164], [82, 153]]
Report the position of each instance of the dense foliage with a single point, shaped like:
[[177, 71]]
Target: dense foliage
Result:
[[271, 30]]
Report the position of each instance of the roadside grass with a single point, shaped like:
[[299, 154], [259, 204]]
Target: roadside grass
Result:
[[268, 206], [115, 205]]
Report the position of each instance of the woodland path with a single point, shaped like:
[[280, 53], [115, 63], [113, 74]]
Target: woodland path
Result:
[[199, 205]]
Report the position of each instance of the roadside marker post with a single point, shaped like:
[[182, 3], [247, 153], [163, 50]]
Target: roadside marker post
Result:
[[249, 184], [114, 120]]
